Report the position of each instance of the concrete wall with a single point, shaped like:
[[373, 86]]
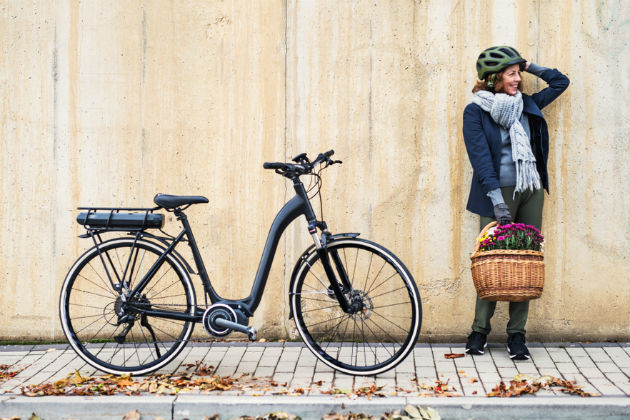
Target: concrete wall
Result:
[[108, 103]]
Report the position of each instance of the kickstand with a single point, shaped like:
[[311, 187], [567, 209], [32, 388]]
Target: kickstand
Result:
[[145, 323]]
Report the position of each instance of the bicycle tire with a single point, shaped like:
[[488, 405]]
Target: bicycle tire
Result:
[[90, 308], [379, 336]]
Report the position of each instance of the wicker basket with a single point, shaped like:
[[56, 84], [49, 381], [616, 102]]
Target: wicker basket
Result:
[[507, 275]]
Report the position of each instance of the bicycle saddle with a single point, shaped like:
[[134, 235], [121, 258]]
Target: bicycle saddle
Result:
[[168, 201]]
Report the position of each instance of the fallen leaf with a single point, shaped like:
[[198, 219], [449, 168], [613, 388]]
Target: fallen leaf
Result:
[[453, 355], [126, 382], [132, 415], [413, 412], [34, 417], [473, 380], [342, 391], [433, 415], [370, 391]]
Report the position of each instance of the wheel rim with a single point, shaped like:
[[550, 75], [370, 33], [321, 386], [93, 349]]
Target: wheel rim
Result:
[[112, 334], [385, 320]]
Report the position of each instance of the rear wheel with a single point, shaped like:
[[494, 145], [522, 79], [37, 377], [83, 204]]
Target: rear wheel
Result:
[[111, 330], [383, 323]]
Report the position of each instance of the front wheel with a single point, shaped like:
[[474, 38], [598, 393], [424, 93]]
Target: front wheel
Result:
[[382, 325], [119, 333]]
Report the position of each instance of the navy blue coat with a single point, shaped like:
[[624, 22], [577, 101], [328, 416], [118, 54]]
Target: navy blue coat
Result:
[[483, 141]]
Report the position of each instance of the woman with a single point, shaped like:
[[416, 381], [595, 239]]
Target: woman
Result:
[[508, 145]]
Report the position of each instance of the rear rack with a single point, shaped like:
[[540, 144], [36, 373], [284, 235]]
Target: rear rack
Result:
[[127, 219]]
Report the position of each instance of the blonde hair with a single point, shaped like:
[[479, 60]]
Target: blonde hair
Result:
[[498, 83]]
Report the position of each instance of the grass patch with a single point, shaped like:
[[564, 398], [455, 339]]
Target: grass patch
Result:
[[30, 342]]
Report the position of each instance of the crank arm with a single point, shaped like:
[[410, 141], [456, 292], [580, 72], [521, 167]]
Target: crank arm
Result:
[[250, 331]]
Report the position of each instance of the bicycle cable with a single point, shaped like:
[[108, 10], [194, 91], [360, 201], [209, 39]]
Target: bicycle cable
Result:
[[317, 186], [168, 235]]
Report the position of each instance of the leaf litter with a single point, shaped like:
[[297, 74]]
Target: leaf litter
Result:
[[77, 384], [6, 373], [199, 378], [525, 384], [410, 412]]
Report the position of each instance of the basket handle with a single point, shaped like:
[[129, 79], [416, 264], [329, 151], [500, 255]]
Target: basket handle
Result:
[[483, 232]]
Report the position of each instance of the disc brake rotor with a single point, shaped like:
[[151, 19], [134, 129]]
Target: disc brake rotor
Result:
[[361, 304]]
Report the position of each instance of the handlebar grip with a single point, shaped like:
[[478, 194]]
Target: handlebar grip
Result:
[[323, 156], [273, 165]]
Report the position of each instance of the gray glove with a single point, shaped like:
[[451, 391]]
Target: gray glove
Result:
[[502, 214]]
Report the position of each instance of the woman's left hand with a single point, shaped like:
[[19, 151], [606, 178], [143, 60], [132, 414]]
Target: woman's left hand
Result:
[[502, 214]]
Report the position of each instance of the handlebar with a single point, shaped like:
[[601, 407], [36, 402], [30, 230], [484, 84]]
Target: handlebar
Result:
[[302, 166], [274, 165]]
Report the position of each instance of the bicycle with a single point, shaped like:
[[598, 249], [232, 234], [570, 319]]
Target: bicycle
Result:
[[128, 306]]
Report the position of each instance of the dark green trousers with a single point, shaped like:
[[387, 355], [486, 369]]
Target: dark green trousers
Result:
[[524, 208]]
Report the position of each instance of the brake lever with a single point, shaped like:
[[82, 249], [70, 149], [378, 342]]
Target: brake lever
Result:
[[330, 162]]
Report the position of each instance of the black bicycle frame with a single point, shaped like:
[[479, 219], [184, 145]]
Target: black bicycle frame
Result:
[[294, 208]]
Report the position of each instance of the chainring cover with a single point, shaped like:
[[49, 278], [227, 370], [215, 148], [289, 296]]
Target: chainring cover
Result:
[[218, 310]]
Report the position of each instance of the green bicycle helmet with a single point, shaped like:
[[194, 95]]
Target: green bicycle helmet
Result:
[[495, 59]]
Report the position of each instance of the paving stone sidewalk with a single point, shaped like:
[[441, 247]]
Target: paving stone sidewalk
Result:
[[283, 368]]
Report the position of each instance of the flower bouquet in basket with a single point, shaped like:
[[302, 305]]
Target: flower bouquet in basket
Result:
[[507, 263]]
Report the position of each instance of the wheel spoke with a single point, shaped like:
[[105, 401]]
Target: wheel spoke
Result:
[[375, 341], [371, 287], [393, 324]]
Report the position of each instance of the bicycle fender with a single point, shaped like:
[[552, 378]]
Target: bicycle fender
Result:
[[308, 252]]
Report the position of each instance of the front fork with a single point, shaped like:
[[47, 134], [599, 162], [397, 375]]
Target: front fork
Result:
[[337, 284]]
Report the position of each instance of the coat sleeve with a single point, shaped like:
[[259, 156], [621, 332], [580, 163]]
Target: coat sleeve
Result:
[[557, 82], [478, 149]]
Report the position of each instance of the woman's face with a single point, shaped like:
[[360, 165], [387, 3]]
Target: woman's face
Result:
[[510, 79]]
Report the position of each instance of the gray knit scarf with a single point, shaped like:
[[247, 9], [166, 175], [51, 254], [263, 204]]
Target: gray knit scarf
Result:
[[506, 111]]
